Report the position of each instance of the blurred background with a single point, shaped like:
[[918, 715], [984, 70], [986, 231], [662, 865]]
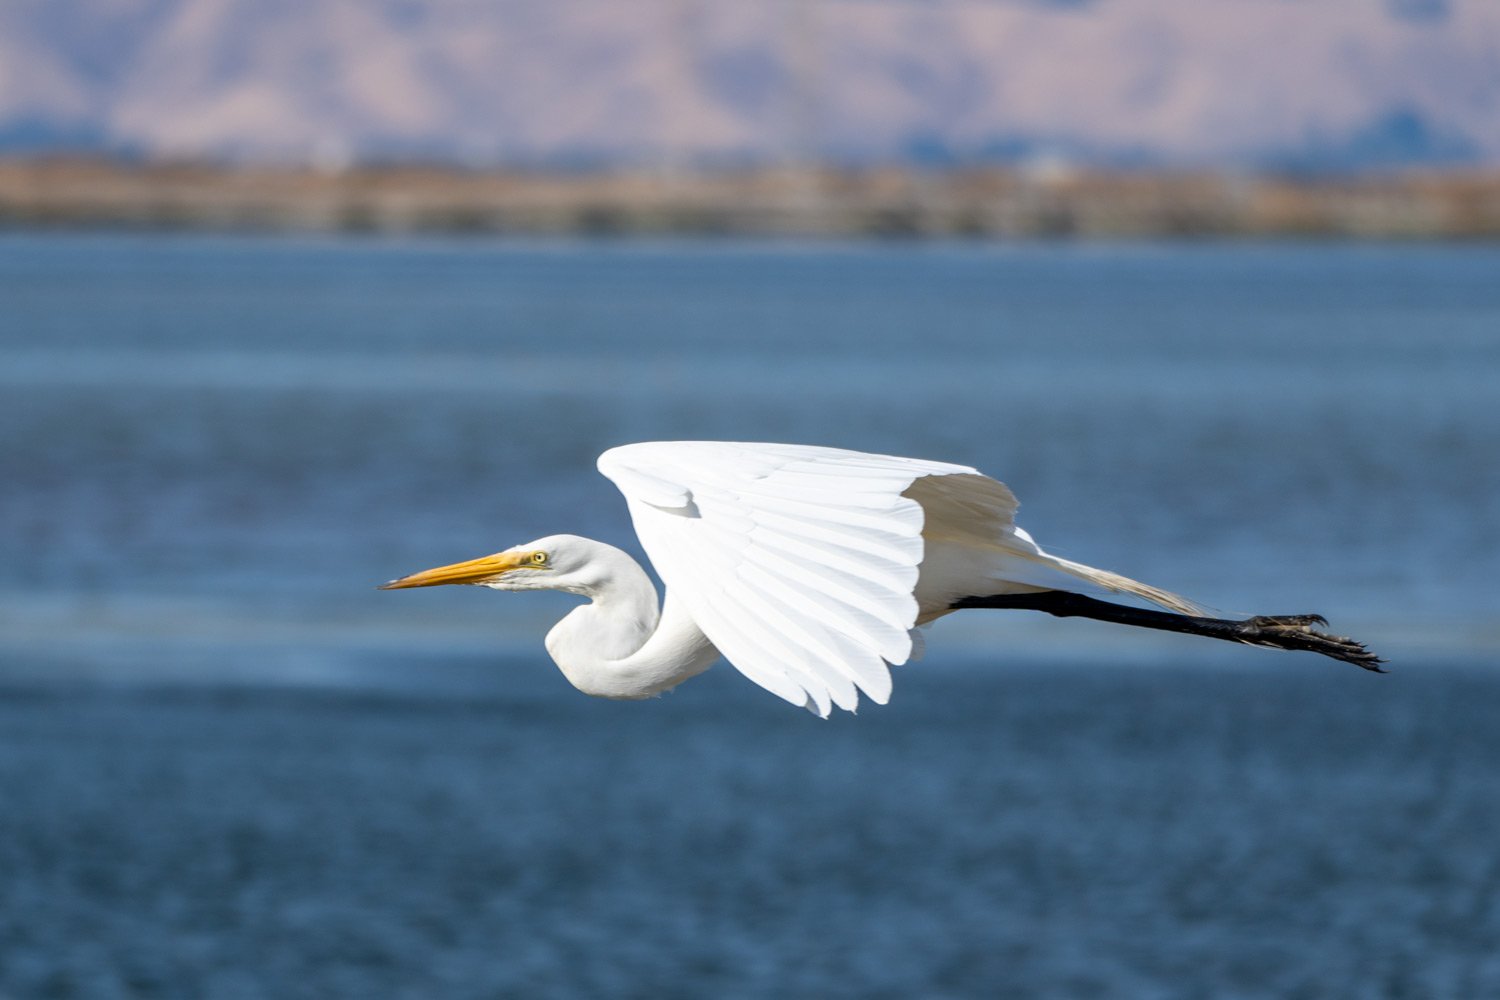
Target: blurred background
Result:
[[299, 297]]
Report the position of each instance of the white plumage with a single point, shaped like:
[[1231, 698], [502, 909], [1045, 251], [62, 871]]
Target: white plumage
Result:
[[807, 568]]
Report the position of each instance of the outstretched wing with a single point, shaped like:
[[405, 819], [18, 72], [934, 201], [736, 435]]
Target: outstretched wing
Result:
[[799, 563]]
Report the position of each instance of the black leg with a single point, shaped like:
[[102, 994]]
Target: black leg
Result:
[[1276, 631]]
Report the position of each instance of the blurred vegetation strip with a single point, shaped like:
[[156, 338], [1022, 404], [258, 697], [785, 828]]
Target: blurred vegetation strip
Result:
[[1004, 202]]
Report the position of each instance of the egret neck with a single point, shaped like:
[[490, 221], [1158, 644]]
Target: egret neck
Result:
[[619, 645]]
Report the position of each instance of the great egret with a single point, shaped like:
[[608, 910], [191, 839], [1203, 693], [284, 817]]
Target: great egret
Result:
[[808, 569]]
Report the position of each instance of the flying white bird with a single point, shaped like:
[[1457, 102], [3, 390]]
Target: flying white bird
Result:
[[809, 569]]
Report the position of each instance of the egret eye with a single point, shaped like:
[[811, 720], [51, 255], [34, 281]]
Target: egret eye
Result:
[[539, 559]]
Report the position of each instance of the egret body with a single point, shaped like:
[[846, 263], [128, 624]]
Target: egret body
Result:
[[810, 569]]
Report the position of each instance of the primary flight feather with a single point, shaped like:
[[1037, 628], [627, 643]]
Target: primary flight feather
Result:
[[809, 569]]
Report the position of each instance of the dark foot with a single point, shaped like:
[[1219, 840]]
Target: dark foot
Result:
[[1297, 632]]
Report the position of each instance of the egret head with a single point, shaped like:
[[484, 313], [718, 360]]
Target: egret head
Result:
[[557, 562]]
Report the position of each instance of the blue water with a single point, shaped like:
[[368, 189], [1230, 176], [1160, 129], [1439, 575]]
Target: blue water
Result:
[[230, 768]]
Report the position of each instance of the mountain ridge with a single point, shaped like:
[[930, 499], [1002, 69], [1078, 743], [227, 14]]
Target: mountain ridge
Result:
[[1236, 83]]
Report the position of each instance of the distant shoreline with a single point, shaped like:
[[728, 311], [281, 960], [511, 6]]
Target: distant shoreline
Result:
[[1053, 202]]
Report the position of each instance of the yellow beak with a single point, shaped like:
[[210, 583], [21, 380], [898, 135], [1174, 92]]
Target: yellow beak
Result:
[[478, 570]]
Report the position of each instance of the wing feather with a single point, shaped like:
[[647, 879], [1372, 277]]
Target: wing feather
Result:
[[798, 563], [822, 582], [880, 517], [770, 675], [873, 628], [885, 575], [894, 551], [805, 657]]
